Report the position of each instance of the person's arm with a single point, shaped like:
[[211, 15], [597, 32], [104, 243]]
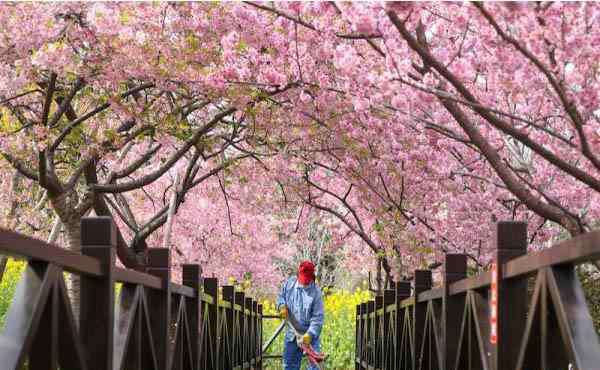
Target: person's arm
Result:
[[316, 319], [281, 299]]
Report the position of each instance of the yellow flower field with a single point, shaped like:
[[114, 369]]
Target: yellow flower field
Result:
[[337, 338]]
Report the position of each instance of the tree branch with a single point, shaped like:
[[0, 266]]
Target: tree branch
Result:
[[92, 113], [496, 122]]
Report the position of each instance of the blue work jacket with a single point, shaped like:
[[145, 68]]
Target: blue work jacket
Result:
[[306, 304]]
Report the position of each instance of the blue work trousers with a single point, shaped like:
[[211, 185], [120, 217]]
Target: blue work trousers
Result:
[[292, 355]]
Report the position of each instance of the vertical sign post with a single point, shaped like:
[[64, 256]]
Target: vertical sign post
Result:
[[494, 306]]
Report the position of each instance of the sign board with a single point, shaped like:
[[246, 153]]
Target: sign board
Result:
[[494, 305]]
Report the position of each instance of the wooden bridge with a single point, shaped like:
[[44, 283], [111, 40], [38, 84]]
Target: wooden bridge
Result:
[[528, 312]]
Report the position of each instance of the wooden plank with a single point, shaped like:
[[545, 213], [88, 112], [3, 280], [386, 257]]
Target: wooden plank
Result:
[[148, 350], [479, 281], [43, 354], [71, 353], [182, 290], [138, 278], [574, 319], [24, 314], [579, 249], [407, 302], [125, 318], [22, 246], [431, 294]]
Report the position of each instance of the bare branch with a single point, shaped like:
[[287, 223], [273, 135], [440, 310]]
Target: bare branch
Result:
[[21, 167], [151, 177], [92, 113], [7, 100], [48, 100], [133, 166], [65, 103]]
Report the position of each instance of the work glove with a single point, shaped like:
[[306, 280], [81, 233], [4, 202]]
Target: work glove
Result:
[[306, 338], [283, 312]]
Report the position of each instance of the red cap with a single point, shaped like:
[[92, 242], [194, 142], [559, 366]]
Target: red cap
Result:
[[306, 272]]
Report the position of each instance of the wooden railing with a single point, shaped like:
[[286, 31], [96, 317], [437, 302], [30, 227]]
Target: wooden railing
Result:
[[128, 320], [528, 312]]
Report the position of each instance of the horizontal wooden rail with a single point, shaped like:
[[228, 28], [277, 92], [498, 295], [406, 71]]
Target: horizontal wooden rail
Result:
[[21, 246]]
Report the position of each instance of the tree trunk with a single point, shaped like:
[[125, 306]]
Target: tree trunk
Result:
[[64, 206]]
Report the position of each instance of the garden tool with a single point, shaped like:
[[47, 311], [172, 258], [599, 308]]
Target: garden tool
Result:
[[315, 358]]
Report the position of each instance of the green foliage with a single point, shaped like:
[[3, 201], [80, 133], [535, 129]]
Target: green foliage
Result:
[[12, 275], [590, 280], [337, 337]]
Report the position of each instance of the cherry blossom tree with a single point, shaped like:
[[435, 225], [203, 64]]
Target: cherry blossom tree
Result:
[[93, 106], [490, 111], [409, 127]]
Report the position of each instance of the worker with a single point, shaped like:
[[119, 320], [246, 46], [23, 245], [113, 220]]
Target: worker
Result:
[[303, 298]]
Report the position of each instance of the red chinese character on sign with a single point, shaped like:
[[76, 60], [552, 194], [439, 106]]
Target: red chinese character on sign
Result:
[[494, 306]]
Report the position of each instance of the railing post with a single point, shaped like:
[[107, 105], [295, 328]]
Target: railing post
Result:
[[259, 366], [248, 342], [387, 360], [255, 332], [402, 292], [159, 265], [371, 335], [423, 282], [455, 268], [364, 346], [192, 277], [241, 340], [228, 296], [358, 337], [378, 332], [211, 339], [97, 306], [511, 242]]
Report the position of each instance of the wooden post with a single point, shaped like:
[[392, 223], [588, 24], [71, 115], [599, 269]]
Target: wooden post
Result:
[[423, 281], [511, 242], [192, 277], [387, 360], [248, 342], [402, 359], [159, 265], [260, 338], [255, 339], [455, 268], [371, 335], [358, 337], [228, 296], [97, 306], [241, 337], [364, 338], [211, 288], [378, 332]]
